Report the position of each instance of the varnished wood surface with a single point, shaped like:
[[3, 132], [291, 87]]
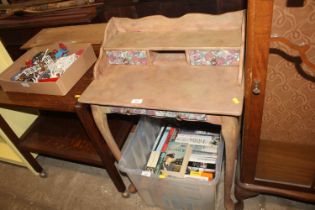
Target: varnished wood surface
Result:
[[47, 102], [289, 163], [90, 33], [268, 167], [261, 188], [60, 135], [259, 18], [65, 17]]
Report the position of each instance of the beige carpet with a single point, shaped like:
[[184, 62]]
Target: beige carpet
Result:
[[77, 186]]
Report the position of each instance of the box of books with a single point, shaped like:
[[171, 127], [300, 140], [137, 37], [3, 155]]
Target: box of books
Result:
[[173, 167]]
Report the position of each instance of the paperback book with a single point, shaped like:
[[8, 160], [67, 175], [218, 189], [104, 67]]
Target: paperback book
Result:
[[175, 160]]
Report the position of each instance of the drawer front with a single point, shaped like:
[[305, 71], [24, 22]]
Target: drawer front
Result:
[[129, 57], [214, 57]]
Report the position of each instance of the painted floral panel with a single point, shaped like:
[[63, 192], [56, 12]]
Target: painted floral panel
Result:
[[159, 113], [132, 57], [220, 57]]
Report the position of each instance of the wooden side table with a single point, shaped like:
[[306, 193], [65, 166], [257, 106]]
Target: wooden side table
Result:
[[158, 76], [58, 131]]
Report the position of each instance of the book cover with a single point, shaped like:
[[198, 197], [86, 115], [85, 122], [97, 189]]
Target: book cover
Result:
[[155, 155], [158, 138], [210, 167], [213, 149], [175, 160], [204, 140], [163, 139], [203, 158], [170, 137]]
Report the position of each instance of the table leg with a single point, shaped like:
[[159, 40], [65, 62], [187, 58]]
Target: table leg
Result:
[[15, 141], [100, 145], [101, 121], [230, 133]]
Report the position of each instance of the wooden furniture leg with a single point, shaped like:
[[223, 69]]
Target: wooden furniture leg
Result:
[[101, 121], [230, 132], [100, 145], [15, 141]]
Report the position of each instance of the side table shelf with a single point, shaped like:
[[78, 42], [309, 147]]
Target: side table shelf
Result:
[[62, 135], [66, 129]]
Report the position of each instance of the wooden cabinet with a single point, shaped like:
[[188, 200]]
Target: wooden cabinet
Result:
[[15, 31], [277, 154]]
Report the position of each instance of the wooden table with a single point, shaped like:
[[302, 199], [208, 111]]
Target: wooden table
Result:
[[58, 131], [169, 83]]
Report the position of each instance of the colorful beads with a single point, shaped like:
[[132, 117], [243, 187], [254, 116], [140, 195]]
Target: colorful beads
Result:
[[46, 66]]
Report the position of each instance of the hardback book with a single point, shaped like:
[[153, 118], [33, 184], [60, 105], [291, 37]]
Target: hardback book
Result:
[[175, 159]]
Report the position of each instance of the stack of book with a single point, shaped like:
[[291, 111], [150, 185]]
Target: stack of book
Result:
[[184, 153]]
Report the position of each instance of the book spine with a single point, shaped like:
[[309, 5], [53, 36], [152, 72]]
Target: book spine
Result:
[[202, 159], [164, 137], [158, 139], [209, 149], [153, 160], [168, 138], [160, 163], [209, 175], [209, 166], [185, 160], [200, 169], [195, 139]]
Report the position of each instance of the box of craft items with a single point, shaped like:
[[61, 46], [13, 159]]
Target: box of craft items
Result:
[[51, 69]]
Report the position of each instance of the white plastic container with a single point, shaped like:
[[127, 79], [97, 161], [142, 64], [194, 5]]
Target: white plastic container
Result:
[[168, 193]]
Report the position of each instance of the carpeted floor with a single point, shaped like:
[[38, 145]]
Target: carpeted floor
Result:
[[77, 186]]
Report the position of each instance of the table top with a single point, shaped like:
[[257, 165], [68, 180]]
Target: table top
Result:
[[47, 102], [179, 88]]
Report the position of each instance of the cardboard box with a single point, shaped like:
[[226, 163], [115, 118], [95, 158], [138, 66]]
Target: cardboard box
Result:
[[60, 87]]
